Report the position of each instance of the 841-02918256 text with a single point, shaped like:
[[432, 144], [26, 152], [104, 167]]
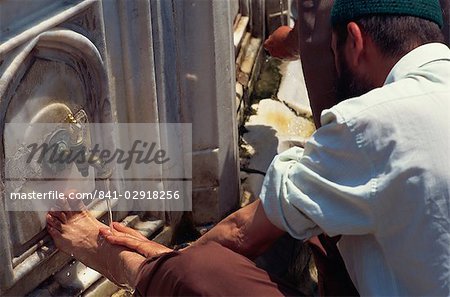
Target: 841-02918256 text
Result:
[[98, 194], [138, 195]]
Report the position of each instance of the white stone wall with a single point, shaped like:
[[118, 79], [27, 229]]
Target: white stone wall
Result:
[[135, 61]]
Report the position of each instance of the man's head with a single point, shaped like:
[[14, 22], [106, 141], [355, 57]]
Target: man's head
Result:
[[370, 36]]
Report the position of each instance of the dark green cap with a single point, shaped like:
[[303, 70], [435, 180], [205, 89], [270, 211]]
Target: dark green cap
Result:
[[345, 11]]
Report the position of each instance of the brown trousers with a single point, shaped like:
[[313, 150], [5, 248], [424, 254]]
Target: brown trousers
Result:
[[213, 270], [208, 270]]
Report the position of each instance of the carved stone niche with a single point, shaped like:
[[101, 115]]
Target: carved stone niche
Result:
[[58, 72]]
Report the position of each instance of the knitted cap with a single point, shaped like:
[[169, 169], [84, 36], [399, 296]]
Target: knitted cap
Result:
[[345, 11]]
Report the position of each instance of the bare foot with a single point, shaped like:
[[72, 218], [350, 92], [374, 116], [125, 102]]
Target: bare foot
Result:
[[77, 233]]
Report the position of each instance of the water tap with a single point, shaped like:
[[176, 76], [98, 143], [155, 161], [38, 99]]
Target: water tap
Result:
[[70, 147]]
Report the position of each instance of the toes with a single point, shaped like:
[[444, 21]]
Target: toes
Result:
[[52, 230], [54, 233], [54, 222], [59, 214]]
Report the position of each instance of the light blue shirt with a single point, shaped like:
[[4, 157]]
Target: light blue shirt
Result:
[[378, 172]]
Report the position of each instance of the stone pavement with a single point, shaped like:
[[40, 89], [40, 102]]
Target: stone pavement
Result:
[[279, 123]]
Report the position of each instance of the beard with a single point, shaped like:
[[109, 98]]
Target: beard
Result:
[[349, 84]]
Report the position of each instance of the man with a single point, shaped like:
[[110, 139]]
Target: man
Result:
[[309, 39], [377, 172]]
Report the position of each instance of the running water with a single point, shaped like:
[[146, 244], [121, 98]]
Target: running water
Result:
[[129, 289], [108, 203], [110, 217]]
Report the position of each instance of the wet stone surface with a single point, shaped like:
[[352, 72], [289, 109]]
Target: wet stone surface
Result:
[[272, 124]]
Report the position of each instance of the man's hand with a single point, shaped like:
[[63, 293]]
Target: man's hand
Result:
[[283, 43], [132, 239]]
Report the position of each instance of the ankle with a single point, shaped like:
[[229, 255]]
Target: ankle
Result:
[[130, 262]]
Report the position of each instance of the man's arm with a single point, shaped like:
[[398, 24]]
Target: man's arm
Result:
[[247, 231]]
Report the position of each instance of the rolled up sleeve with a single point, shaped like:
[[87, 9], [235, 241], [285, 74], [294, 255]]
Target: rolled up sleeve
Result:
[[326, 187]]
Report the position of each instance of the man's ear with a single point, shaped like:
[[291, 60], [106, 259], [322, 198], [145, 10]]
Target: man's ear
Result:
[[355, 44]]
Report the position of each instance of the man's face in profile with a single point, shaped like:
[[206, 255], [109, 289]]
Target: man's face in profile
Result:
[[348, 84]]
